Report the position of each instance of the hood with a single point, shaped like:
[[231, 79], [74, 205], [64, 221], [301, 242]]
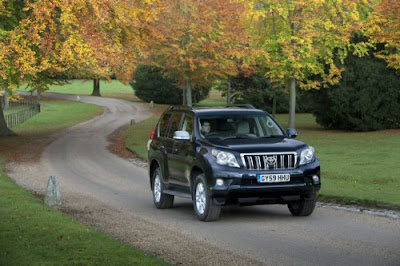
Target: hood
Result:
[[251, 145]]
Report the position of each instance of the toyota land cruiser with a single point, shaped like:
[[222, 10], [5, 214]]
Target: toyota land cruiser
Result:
[[230, 155]]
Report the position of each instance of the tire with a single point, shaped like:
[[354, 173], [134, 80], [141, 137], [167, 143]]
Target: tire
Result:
[[203, 204], [160, 199], [303, 207]]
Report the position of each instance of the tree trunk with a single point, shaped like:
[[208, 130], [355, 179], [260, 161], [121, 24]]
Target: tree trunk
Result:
[[188, 93], [6, 102], [4, 130], [292, 103], [96, 87], [184, 101], [274, 106], [228, 94]]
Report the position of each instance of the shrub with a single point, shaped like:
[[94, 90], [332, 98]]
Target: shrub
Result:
[[258, 91], [367, 98], [150, 84]]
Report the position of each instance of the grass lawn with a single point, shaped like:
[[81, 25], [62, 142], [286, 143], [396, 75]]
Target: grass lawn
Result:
[[214, 99], [356, 167], [32, 233], [114, 88], [13, 110]]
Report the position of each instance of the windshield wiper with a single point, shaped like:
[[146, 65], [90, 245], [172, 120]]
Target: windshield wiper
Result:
[[273, 136], [238, 137]]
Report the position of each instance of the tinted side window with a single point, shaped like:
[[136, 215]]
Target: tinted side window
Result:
[[175, 121], [164, 124]]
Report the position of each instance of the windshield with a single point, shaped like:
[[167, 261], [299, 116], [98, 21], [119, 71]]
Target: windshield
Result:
[[227, 126]]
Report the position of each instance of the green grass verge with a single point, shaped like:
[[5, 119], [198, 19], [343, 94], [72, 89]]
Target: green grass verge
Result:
[[356, 167], [32, 233]]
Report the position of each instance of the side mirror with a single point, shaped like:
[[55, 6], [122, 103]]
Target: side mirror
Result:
[[292, 133], [181, 135]]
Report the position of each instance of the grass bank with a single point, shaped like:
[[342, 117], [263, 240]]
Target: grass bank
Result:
[[32, 233], [356, 167]]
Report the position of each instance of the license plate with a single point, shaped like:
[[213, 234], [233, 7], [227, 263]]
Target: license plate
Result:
[[273, 178]]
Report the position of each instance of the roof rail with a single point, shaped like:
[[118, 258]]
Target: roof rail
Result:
[[248, 106], [180, 107]]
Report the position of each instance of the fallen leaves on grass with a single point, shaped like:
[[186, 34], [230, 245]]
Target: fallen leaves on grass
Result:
[[117, 144]]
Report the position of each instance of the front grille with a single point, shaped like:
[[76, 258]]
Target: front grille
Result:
[[269, 161]]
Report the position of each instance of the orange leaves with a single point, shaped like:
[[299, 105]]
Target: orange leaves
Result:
[[199, 39]]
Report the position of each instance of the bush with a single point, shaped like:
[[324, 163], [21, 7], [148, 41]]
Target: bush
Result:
[[150, 84], [258, 91], [367, 98]]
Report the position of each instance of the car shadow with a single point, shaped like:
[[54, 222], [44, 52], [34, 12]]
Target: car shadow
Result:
[[234, 212]]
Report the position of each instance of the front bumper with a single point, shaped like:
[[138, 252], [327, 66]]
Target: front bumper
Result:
[[241, 186]]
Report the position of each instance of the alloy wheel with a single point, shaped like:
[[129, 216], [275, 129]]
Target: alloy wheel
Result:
[[200, 198], [157, 188]]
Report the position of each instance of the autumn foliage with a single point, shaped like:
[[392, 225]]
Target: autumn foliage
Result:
[[384, 27], [197, 42], [302, 39], [85, 37]]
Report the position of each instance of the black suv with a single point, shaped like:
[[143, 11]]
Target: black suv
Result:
[[230, 155]]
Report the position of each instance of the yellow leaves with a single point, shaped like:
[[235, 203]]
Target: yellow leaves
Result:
[[384, 27], [302, 37]]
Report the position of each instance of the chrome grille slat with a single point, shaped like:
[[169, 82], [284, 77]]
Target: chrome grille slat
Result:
[[259, 162], [269, 161]]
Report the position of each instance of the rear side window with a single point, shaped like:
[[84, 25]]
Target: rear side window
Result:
[[164, 125], [188, 124], [175, 121]]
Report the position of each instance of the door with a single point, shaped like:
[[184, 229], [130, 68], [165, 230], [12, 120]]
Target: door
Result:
[[171, 159], [183, 154]]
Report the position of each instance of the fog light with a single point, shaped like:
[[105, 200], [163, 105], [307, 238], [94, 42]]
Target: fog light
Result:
[[315, 178], [220, 182]]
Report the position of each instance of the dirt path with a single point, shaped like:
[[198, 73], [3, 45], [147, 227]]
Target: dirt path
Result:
[[113, 195]]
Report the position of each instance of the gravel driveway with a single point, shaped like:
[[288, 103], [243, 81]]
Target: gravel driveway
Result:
[[112, 195]]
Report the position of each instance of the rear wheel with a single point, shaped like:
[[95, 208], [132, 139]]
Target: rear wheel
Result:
[[203, 205], [160, 199], [303, 207]]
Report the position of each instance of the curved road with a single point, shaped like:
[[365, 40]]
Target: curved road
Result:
[[258, 235]]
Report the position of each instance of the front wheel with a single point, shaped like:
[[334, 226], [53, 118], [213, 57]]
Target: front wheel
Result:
[[160, 199], [203, 205], [303, 207]]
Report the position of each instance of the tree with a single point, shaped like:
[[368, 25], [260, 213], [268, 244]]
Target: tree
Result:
[[10, 14], [87, 38], [300, 40], [150, 84], [197, 41], [367, 97], [384, 27]]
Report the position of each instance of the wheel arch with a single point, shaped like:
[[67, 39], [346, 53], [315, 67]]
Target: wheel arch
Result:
[[195, 172]]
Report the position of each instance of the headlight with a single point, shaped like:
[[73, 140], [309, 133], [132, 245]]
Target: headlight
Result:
[[307, 155], [225, 158]]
